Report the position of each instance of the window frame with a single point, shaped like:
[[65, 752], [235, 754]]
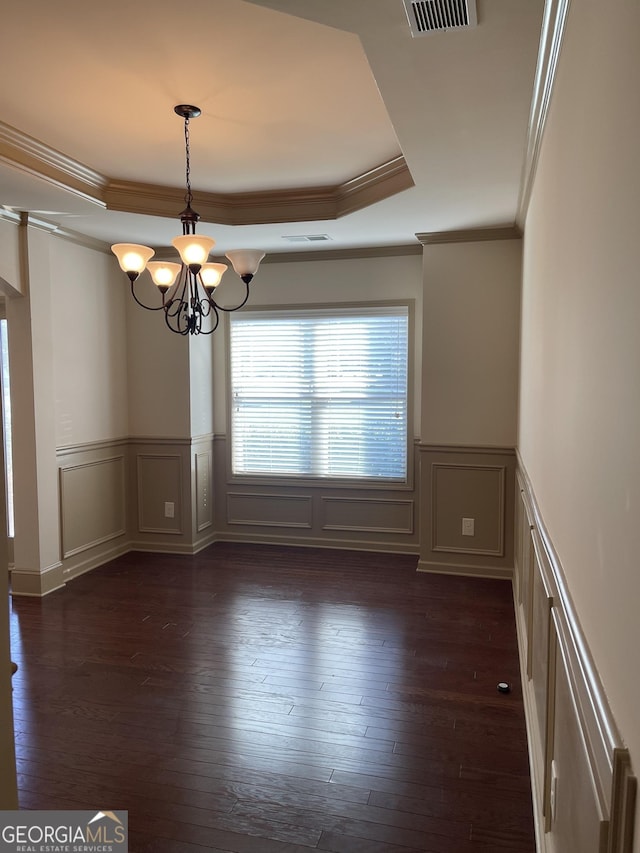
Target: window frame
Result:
[[406, 484]]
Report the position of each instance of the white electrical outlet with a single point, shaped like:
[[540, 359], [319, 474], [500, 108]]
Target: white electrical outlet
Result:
[[169, 509], [468, 526]]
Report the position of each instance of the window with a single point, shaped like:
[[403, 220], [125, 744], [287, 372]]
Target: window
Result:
[[320, 392]]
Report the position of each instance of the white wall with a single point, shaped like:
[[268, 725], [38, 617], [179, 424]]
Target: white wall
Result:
[[89, 344], [9, 272], [579, 433], [35, 481], [471, 321], [328, 282]]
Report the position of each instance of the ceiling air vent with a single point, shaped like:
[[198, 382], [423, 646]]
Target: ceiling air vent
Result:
[[307, 238], [428, 16]]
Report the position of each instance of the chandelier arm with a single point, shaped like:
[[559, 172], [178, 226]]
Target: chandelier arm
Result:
[[236, 307], [176, 304], [173, 307], [213, 308], [142, 305], [175, 327]]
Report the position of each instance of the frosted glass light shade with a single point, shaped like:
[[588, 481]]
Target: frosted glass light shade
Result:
[[211, 274], [245, 261], [163, 273], [131, 256], [193, 248]]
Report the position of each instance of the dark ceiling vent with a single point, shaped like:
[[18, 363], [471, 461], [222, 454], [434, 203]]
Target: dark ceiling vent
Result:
[[428, 16]]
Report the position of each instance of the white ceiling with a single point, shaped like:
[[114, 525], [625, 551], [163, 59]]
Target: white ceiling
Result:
[[293, 95]]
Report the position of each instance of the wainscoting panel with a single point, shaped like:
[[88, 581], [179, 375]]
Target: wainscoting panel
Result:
[[269, 510], [583, 787], [93, 504], [177, 472], [468, 491], [523, 575], [539, 645], [92, 501], [577, 810], [377, 514], [160, 481], [314, 513], [473, 483], [204, 503]]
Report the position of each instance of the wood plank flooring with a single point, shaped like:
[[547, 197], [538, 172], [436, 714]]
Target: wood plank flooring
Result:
[[259, 699]]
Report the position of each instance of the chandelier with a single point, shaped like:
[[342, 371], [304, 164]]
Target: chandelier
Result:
[[187, 289]]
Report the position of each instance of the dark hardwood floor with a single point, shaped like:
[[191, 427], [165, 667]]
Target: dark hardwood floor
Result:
[[260, 699]]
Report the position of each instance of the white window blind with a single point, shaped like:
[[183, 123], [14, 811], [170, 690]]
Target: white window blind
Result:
[[320, 392]]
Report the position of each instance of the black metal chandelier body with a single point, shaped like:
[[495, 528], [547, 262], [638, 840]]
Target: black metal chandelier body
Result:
[[187, 289]]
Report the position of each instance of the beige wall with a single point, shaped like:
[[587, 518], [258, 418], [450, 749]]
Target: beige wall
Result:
[[89, 345], [321, 513], [10, 280], [471, 319], [157, 370], [579, 406], [331, 281]]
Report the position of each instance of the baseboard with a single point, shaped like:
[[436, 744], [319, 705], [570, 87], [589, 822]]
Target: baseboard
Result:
[[316, 542], [37, 584], [75, 569], [186, 548], [465, 570]]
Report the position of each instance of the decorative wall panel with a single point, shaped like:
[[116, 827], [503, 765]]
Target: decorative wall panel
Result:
[[367, 514], [204, 500], [466, 517], [468, 491], [159, 482], [92, 501], [583, 787], [269, 510]]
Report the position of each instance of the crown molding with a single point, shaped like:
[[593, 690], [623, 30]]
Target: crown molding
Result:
[[304, 204], [470, 235], [302, 257], [553, 26], [29, 155], [41, 223], [82, 240], [7, 214], [375, 185]]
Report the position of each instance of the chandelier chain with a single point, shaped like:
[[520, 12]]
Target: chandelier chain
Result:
[[187, 289], [188, 196]]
